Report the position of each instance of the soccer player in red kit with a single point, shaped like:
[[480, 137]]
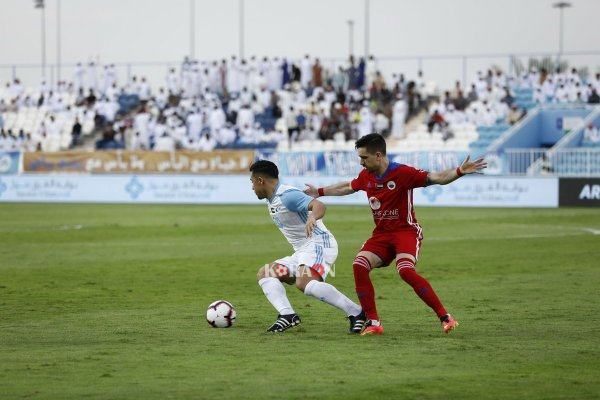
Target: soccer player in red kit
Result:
[[397, 235]]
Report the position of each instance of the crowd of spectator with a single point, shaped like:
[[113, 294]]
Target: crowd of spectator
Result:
[[259, 102], [232, 102], [490, 98]]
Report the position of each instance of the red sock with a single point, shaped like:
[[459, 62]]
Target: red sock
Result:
[[406, 269], [364, 287]]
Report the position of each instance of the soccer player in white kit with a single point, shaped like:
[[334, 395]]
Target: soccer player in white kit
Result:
[[298, 217]]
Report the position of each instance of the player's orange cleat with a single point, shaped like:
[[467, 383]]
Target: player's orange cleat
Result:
[[449, 323], [372, 329]]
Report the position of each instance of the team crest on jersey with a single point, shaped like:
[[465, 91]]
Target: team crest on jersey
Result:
[[391, 185], [375, 203]]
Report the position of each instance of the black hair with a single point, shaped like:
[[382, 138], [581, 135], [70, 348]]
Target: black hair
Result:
[[265, 167], [373, 142]]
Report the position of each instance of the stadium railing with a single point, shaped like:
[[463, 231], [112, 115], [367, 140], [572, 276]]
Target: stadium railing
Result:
[[571, 162]]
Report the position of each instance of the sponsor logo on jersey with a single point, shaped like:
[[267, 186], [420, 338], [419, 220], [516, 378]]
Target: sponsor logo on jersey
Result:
[[391, 185], [379, 186], [386, 214], [375, 203]]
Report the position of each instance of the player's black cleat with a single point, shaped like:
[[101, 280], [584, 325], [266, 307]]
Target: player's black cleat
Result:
[[285, 322], [357, 322]]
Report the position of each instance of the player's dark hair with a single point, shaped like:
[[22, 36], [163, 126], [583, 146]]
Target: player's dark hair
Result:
[[265, 167], [373, 142]]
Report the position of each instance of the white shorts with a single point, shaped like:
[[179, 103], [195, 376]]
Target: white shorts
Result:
[[315, 256]]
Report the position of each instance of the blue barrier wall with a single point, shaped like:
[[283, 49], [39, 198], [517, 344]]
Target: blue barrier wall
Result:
[[545, 128], [554, 124]]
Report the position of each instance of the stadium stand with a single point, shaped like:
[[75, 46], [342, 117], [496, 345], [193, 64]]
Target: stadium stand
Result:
[[276, 103]]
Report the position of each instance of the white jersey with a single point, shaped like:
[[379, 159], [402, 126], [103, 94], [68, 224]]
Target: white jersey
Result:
[[289, 210]]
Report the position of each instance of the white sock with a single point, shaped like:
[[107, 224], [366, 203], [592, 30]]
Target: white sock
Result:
[[275, 292], [330, 295]]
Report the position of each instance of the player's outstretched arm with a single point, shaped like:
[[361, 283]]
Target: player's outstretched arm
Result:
[[317, 212], [450, 175], [339, 189]]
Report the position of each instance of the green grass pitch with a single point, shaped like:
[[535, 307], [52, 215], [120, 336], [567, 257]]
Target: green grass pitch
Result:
[[108, 302]]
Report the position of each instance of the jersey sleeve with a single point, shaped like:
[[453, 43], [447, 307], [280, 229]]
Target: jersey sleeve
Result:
[[295, 200], [414, 178], [358, 182]]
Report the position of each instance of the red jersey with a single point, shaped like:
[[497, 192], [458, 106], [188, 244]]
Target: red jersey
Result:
[[390, 196]]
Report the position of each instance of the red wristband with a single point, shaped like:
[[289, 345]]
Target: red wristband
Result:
[[321, 192], [459, 172]]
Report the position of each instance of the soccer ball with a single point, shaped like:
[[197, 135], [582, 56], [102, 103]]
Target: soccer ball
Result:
[[220, 314]]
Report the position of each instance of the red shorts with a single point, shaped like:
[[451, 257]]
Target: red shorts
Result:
[[387, 244]]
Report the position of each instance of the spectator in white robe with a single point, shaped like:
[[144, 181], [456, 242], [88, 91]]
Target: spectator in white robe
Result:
[[216, 119], [245, 117], [561, 95], [194, 123], [206, 143], [370, 71], [92, 76], [145, 92], [172, 82], [548, 89], [79, 77], [305, 71], [104, 79], [274, 75], [214, 78], [138, 142], [226, 135], [161, 98], [591, 134], [381, 123], [164, 143], [233, 75], [245, 96], [112, 92], [399, 117], [365, 124], [538, 96]]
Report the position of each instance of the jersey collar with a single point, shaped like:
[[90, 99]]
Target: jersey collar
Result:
[[391, 166]]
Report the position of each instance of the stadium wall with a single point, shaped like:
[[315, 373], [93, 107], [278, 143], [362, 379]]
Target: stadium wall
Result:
[[479, 191]]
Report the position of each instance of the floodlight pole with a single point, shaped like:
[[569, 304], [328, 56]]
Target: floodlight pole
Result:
[[367, 28], [58, 40], [193, 29], [561, 5], [43, 13], [351, 36], [241, 29]]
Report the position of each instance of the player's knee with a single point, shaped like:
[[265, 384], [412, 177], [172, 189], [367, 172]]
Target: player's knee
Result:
[[262, 273], [301, 282], [361, 263], [305, 275], [405, 266]]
